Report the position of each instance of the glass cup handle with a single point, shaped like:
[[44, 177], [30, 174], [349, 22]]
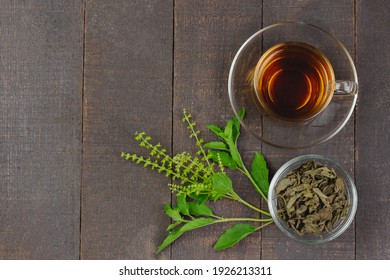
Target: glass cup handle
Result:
[[346, 88]]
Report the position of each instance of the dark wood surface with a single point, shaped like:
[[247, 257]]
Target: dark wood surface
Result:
[[127, 88], [41, 66], [79, 78], [373, 132]]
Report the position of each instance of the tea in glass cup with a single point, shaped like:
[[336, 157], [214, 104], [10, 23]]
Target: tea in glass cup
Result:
[[294, 81]]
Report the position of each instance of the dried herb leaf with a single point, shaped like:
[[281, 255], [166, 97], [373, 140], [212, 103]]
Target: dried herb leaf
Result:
[[283, 184], [311, 199]]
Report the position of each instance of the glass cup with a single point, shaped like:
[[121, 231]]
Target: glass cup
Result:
[[297, 83]]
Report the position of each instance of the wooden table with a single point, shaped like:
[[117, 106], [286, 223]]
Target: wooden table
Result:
[[78, 78]]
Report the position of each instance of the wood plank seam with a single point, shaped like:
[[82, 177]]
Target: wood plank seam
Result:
[[354, 112], [82, 126], [173, 98], [262, 202]]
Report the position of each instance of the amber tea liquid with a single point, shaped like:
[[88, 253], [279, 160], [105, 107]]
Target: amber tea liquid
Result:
[[294, 81]]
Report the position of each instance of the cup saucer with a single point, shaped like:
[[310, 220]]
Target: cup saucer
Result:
[[282, 133]]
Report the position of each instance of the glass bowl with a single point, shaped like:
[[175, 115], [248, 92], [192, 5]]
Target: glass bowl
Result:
[[290, 134], [350, 191]]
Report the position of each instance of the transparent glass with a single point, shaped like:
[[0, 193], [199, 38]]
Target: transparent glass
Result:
[[350, 193], [284, 133]]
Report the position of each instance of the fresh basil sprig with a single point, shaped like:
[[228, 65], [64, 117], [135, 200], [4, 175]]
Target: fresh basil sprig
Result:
[[200, 178]]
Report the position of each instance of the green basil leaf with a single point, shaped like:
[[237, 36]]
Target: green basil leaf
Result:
[[171, 226], [232, 128], [230, 135], [216, 146], [174, 214], [236, 125], [217, 131], [182, 204], [241, 113], [259, 172], [199, 209], [175, 234], [197, 223], [229, 130], [233, 235], [222, 183], [172, 236], [201, 198], [235, 154], [225, 158]]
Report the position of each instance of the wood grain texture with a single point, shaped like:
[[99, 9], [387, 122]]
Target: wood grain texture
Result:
[[207, 36], [373, 126], [338, 18], [142, 62], [128, 88], [40, 128]]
